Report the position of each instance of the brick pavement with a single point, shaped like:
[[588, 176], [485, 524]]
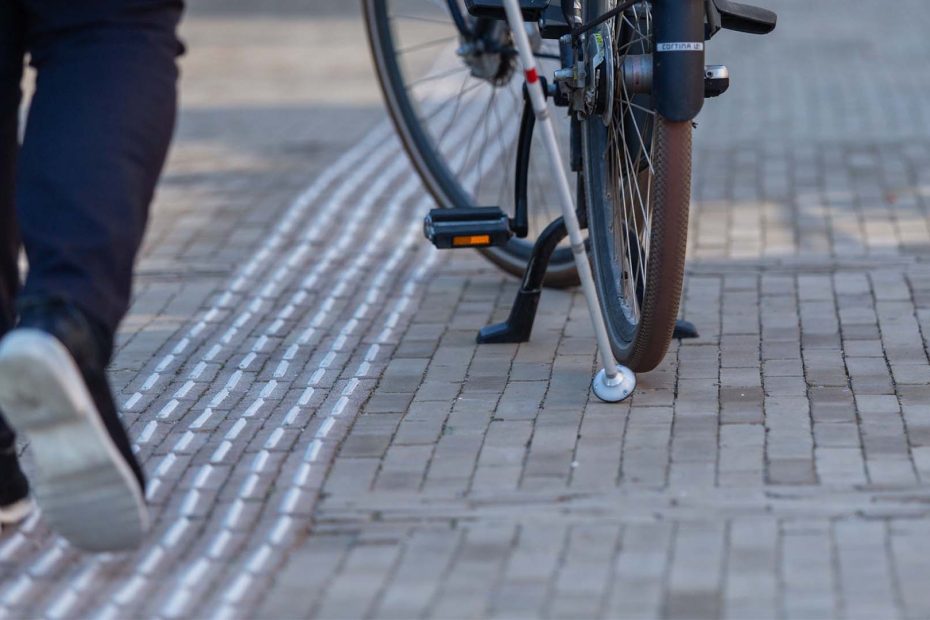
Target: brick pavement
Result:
[[325, 439]]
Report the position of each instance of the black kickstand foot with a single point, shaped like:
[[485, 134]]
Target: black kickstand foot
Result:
[[519, 325], [685, 330]]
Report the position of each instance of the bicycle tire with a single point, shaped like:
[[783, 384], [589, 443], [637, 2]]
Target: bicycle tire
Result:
[[429, 161], [640, 302]]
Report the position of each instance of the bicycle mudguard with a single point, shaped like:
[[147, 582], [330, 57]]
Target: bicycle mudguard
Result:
[[678, 85]]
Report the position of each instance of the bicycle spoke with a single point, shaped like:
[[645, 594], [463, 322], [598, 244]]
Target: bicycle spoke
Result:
[[510, 156], [455, 111], [481, 151], [426, 45], [417, 18], [471, 138], [630, 140], [439, 69], [641, 108], [436, 76], [639, 134]]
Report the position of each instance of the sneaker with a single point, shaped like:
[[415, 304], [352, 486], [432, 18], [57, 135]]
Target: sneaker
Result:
[[54, 390], [15, 504]]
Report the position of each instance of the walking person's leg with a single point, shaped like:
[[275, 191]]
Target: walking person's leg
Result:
[[96, 138], [14, 490]]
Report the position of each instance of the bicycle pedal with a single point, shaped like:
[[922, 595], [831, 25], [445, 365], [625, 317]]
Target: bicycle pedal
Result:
[[482, 227]]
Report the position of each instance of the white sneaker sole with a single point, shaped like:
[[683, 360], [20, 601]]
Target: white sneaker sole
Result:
[[86, 489], [15, 513]]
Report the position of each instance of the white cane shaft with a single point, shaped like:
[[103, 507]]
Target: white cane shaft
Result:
[[544, 122], [581, 256]]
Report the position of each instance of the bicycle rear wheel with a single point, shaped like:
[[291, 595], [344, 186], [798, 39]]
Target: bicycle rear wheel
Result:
[[637, 168], [437, 80]]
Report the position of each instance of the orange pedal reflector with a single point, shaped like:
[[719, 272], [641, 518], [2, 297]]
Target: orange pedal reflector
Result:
[[468, 227], [470, 240]]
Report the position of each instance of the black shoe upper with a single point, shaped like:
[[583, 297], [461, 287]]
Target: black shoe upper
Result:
[[91, 347], [13, 484]]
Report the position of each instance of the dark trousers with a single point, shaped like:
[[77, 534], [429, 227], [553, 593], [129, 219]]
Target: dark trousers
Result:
[[76, 193]]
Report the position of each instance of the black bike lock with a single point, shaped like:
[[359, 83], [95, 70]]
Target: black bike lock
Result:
[[678, 84]]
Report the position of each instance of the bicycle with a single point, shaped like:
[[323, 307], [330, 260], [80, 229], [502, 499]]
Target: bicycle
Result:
[[628, 78]]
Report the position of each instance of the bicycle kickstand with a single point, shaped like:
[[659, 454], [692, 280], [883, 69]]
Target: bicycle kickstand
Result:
[[614, 382], [519, 325]]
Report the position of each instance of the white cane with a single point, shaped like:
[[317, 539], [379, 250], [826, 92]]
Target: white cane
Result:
[[615, 382]]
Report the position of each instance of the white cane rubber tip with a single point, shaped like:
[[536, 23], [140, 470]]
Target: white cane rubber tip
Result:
[[614, 391]]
